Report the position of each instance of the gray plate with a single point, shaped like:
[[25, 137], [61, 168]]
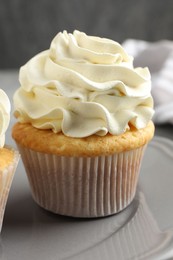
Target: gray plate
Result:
[[142, 231]]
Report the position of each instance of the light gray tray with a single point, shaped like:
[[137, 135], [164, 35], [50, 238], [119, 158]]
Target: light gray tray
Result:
[[142, 231]]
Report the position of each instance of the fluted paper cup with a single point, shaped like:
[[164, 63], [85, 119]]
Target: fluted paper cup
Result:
[[6, 177], [83, 186]]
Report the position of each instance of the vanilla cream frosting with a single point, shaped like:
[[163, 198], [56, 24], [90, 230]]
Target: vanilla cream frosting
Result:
[[83, 85], [5, 108]]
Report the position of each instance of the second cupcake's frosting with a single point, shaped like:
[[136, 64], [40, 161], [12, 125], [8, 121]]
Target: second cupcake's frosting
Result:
[[5, 108], [84, 85]]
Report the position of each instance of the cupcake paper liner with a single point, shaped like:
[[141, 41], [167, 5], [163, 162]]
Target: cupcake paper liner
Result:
[[83, 186], [6, 177]]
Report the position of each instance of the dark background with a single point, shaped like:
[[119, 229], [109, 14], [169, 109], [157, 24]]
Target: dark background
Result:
[[28, 26]]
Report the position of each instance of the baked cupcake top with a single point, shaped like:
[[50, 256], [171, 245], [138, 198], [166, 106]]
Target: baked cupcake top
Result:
[[84, 85], [5, 108]]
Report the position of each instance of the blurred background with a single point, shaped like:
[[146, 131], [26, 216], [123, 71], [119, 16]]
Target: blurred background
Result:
[[28, 26]]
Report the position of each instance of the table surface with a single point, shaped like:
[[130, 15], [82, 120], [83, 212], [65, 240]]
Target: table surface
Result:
[[20, 206]]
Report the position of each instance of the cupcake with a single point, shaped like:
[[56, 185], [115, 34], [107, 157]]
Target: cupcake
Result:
[[84, 120], [8, 156]]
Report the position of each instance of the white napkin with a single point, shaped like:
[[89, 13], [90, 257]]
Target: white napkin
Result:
[[158, 57]]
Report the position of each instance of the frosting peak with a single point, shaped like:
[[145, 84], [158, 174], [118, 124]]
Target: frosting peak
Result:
[[81, 47], [5, 108], [83, 85]]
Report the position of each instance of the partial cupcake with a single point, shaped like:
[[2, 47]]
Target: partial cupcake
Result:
[[84, 120], [8, 156]]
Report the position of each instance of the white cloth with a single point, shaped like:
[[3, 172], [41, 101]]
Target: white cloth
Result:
[[158, 57]]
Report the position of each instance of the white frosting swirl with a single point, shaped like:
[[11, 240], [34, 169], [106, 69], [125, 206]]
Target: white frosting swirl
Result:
[[5, 108], [83, 85]]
